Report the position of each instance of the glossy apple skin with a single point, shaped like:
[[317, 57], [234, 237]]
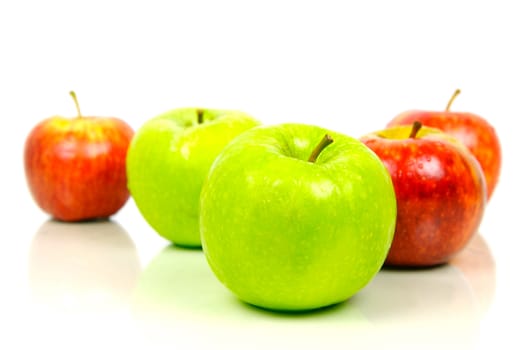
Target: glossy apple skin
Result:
[[283, 233], [76, 167], [476, 133], [169, 158], [440, 193]]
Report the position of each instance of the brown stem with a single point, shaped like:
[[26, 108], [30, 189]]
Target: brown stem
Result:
[[325, 141], [455, 94], [200, 118], [414, 130], [74, 96]]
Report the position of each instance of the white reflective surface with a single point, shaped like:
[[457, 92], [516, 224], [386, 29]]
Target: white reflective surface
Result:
[[347, 66], [91, 285]]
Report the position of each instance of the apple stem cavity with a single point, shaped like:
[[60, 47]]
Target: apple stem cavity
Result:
[[200, 117], [325, 141], [74, 96], [450, 102], [414, 130]]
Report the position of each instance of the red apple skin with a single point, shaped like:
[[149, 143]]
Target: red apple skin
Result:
[[75, 167], [440, 192], [476, 133]]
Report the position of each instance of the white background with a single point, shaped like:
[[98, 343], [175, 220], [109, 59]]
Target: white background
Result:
[[349, 66]]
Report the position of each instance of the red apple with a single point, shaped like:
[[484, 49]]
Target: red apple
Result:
[[440, 193], [472, 130], [76, 167]]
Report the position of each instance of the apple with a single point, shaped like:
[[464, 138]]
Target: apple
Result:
[[289, 222], [440, 193], [76, 167], [168, 160], [475, 132]]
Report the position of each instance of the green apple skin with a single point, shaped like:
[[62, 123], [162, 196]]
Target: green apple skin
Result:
[[283, 233], [167, 162]]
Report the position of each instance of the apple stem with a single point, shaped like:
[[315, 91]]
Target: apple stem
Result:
[[416, 127], [74, 96], [325, 141], [455, 94], [200, 118]]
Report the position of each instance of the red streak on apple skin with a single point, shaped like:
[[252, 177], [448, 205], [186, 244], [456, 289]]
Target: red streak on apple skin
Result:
[[440, 198], [470, 129], [76, 168]]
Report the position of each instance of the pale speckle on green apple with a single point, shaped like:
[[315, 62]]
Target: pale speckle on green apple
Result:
[[322, 188]]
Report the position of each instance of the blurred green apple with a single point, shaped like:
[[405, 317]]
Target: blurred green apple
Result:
[[291, 223], [168, 160]]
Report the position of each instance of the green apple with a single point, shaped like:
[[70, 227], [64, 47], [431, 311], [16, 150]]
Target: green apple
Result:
[[291, 223], [168, 160]]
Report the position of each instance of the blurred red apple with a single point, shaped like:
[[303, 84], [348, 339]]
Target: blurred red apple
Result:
[[472, 130], [440, 193], [75, 167]]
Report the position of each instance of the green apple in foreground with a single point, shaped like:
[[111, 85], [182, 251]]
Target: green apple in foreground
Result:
[[168, 160], [291, 223]]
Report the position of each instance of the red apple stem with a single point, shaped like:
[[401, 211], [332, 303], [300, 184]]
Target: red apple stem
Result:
[[74, 96], [200, 117], [414, 130], [325, 141], [450, 102]]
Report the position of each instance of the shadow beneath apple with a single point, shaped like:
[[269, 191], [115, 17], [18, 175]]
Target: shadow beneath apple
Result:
[[178, 295], [334, 308], [82, 267]]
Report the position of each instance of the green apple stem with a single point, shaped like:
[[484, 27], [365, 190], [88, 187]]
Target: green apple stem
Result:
[[325, 141], [74, 96], [455, 94], [200, 118], [416, 127]]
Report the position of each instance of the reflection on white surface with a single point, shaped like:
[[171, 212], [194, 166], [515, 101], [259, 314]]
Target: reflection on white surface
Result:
[[82, 267], [441, 306], [478, 266], [90, 274], [178, 297]]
